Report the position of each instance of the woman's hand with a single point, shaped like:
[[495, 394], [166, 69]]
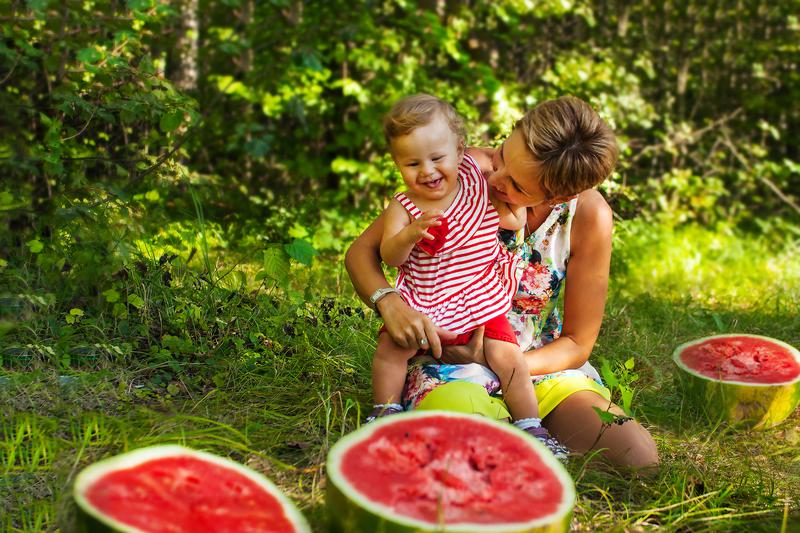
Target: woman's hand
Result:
[[408, 327], [483, 157], [472, 352]]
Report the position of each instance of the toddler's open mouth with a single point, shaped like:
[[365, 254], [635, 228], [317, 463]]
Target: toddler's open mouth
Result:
[[433, 184]]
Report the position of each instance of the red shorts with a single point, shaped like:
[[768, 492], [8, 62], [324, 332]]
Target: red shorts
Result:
[[497, 328]]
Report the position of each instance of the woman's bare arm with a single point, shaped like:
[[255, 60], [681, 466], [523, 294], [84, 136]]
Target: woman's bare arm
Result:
[[405, 325], [586, 288], [363, 261]]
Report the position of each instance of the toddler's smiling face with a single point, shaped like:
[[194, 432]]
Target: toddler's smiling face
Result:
[[428, 159]]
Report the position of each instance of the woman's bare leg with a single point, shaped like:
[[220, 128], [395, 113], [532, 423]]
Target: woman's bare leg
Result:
[[389, 367], [575, 424]]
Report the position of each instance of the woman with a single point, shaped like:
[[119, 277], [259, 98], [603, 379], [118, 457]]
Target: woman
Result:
[[554, 155]]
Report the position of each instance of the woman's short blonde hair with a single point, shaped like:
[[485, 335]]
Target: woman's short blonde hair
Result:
[[572, 146], [411, 112]]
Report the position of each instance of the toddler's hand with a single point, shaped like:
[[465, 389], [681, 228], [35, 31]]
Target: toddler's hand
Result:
[[419, 228]]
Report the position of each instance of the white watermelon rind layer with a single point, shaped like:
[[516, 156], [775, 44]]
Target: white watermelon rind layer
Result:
[[388, 520], [756, 405], [94, 472]]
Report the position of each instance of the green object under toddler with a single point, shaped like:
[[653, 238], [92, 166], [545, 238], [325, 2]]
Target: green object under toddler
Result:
[[464, 397]]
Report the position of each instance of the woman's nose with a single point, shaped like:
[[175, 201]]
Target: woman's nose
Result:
[[496, 180]]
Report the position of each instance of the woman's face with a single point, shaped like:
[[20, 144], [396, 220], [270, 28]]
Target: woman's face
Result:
[[515, 179]]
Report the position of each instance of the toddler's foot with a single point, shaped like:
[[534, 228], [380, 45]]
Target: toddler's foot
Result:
[[384, 409], [533, 426], [548, 440]]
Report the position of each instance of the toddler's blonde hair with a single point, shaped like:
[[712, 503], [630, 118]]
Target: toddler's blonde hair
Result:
[[411, 112]]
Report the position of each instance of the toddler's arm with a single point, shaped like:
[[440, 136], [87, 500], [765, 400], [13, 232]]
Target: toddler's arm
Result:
[[512, 217], [400, 234]]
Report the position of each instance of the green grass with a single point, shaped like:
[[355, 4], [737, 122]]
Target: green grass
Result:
[[250, 375]]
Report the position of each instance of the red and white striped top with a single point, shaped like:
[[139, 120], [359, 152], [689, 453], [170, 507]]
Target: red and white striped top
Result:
[[470, 280]]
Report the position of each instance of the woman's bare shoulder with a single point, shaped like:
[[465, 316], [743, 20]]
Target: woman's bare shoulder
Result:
[[593, 217], [592, 207]]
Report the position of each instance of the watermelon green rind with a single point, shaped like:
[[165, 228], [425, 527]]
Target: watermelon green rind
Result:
[[757, 405], [92, 519], [349, 511]]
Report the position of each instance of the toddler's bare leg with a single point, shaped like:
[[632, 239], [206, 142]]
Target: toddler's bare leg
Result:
[[389, 368], [507, 361]]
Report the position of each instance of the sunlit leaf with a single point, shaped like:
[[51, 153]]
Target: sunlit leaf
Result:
[[111, 296], [170, 121], [35, 246], [276, 265], [136, 301], [298, 231], [301, 250], [608, 374], [89, 55], [626, 394], [605, 416], [140, 5], [37, 5]]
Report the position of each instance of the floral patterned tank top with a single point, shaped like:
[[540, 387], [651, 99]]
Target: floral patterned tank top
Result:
[[544, 255]]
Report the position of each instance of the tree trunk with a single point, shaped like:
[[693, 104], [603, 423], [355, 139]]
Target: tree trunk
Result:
[[247, 57], [183, 64]]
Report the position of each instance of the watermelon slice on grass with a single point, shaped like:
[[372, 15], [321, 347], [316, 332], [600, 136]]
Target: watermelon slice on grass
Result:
[[176, 489], [445, 471], [749, 380]]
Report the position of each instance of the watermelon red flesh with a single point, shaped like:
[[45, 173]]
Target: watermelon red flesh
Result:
[[743, 359], [185, 493], [423, 470]]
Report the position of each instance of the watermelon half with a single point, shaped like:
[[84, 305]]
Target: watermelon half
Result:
[[445, 471], [176, 489], [746, 379]]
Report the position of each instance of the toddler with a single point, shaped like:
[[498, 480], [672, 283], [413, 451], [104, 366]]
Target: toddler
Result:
[[442, 235]]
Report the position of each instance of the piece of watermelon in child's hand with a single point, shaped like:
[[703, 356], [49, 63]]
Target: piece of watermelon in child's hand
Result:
[[431, 246]]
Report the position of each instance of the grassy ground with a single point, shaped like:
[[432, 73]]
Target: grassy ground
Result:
[[250, 375]]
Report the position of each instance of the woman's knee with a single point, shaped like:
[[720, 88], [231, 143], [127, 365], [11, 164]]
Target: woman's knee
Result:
[[578, 426], [630, 444]]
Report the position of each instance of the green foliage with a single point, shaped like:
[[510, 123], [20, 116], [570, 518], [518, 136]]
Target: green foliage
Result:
[[620, 382], [282, 126]]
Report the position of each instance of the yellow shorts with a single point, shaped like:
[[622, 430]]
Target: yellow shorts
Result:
[[470, 397], [555, 390]]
